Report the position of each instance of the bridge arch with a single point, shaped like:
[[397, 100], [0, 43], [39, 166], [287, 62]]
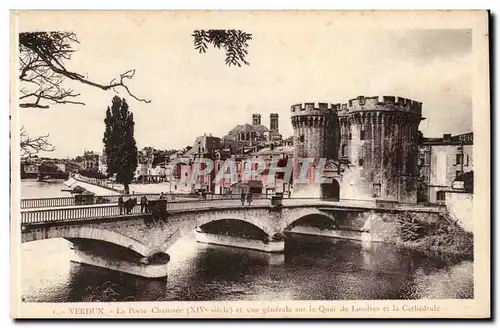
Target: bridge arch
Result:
[[186, 223], [295, 216], [253, 220], [314, 220], [235, 225], [89, 233]]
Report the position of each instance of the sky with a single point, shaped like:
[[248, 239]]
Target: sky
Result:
[[293, 59]]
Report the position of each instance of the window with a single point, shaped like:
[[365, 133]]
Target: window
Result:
[[185, 174], [344, 150], [426, 159], [409, 165], [360, 162], [362, 133], [467, 160], [301, 138], [457, 174], [350, 135], [440, 195], [459, 159]]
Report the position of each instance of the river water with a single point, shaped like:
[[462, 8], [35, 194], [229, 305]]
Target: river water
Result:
[[312, 268]]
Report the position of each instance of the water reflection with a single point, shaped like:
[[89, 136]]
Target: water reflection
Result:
[[311, 268], [31, 188]]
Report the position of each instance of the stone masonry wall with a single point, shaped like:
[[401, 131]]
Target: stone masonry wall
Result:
[[460, 208]]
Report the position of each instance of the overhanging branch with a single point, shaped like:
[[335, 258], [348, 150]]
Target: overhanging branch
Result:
[[42, 57]]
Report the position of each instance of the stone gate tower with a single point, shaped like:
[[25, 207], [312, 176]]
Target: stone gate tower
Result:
[[379, 136], [316, 134]]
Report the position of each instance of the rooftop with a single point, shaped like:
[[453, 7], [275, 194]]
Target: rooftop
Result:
[[248, 128], [453, 140]]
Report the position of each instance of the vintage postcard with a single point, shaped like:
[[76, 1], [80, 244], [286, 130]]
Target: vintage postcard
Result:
[[250, 164]]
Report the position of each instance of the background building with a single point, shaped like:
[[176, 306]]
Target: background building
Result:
[[204, 145], [254, 134], [103, 166], [90, 161], [443, 161]]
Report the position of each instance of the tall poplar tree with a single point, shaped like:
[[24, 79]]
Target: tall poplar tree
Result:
[[119, 142]]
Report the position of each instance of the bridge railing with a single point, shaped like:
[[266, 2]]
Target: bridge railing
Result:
[[112, 210], [47, 202], [214, 203], [72, 201], [176, 198], [73, 213], [113, 199]]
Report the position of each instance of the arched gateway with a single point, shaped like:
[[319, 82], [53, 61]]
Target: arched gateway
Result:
[[330, 191]]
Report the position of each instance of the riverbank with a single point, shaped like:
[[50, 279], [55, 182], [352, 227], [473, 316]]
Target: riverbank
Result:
[[439, 236], [97, 190], [135, 188], [459, 244]]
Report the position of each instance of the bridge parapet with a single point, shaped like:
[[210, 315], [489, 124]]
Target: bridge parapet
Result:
[[112, 210], [85, 212], [71, 201], [29, 203]]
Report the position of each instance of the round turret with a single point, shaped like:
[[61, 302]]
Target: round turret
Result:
[[379, 136], [315, 129]]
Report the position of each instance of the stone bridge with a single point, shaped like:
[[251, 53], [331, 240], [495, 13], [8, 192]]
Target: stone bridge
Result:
[[138, 244]]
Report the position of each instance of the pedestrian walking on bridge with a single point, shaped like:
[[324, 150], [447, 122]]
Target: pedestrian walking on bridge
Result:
[[243, 196], [249, 198], [144, 204], [120, 204]]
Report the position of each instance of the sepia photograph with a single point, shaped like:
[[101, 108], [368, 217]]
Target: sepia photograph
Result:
[[256, 164]]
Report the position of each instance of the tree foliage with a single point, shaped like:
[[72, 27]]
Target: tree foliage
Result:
[[234, 42], [119, 142]]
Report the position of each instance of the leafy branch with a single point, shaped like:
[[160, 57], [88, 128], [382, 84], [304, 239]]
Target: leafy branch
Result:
[[234, 42]]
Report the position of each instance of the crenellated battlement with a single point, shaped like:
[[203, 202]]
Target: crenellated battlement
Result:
[[318, 108], [381, 103], [360, 103]]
